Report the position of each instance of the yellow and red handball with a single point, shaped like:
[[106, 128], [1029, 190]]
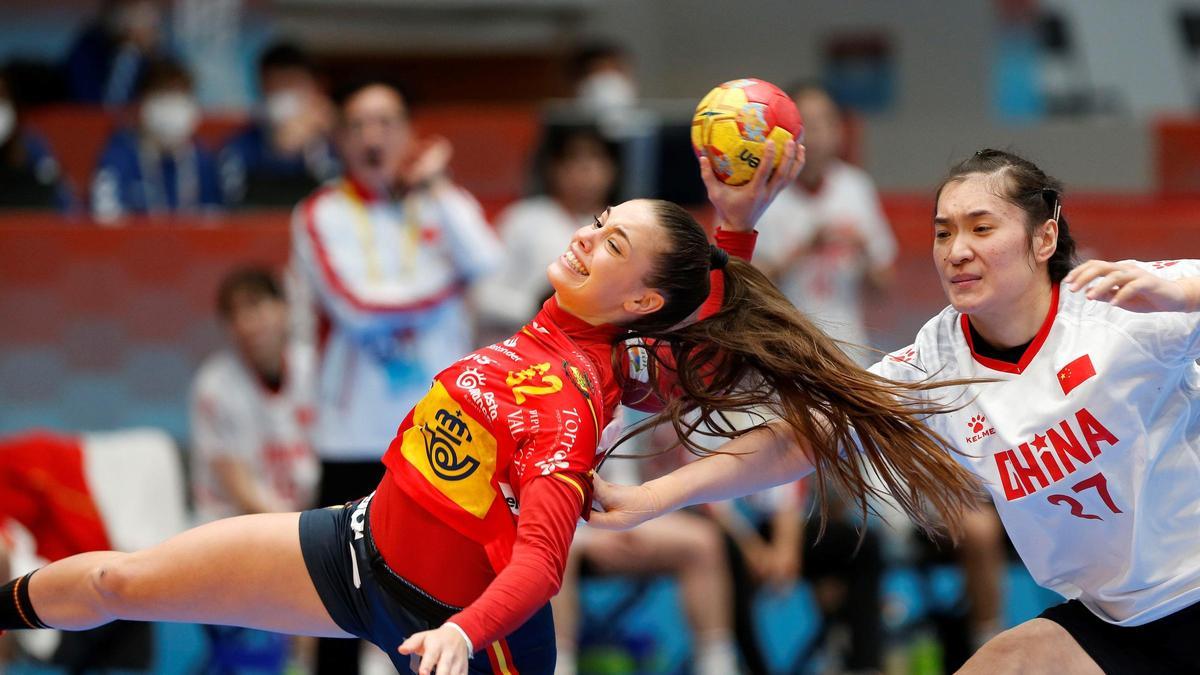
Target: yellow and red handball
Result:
[[735, 121]]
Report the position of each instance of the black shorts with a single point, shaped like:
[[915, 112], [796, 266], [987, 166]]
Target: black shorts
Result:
[[1167, 645], [367, 599]]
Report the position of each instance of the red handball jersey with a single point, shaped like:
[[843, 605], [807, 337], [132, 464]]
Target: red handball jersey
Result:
[[507, 434]]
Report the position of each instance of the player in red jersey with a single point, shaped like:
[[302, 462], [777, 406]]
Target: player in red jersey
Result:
[[437, 564]]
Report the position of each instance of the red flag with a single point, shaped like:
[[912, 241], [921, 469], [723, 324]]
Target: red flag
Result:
[[1076, 373]]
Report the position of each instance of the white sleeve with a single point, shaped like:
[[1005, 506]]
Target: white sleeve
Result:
[[218, 427], [881, 242], [312, 287], [513, 293], [1172, 336], [473, 245]]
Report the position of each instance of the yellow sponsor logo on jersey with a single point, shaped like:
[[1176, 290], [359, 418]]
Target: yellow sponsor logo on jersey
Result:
[[453, 451]]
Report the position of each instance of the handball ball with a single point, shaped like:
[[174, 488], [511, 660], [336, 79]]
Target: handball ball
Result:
[[734, 122]]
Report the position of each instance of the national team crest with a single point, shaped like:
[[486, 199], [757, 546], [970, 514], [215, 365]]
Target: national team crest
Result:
[[579, 379]]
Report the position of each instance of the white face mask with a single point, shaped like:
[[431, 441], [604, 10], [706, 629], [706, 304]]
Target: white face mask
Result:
[[607, 90], [170, 118], [8, 121], [283, 106]]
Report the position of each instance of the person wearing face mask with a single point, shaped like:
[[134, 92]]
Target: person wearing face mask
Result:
[[604, 79], [157, 167], [30, 177], [111, 56], [288, 150]]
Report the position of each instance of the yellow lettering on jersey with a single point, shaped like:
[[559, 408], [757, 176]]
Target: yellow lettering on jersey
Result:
[[453, 451]]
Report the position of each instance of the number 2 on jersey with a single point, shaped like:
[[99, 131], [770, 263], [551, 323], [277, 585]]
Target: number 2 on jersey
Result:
[[1097, 482]]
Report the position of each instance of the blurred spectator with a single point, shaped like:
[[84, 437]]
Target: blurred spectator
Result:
[[157, 167], [30, 176], [772, 548], [825, 239], [252, 408], [251, 412], [380, 259], [682, 545], [603, 78], [579, 175], [108, 60], [287, 151]]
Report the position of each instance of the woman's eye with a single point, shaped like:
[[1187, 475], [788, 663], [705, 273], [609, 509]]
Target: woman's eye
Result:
[[612, 245], [596, 223], [982, 228], [941, 235]]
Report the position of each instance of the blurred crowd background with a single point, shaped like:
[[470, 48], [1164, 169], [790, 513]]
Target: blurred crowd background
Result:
[[155, 161]]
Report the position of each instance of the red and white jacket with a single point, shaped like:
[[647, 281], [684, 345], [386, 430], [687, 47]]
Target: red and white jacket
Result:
[[377, 283]]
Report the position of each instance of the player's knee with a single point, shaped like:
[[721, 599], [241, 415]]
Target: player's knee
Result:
[[113, 582]]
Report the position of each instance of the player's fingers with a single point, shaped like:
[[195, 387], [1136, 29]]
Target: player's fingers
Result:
[[785, 173], [412, 644], [1128, 294], [765, 167], [429, 660], [708, 176], [1106, 286], [1081, 276], [450, 664]]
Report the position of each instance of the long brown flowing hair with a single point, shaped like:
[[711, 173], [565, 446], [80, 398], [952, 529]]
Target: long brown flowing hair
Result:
[[759, 353]]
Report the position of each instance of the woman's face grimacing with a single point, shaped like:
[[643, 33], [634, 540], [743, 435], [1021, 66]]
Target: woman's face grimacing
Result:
[[982, 250], [600, 277]]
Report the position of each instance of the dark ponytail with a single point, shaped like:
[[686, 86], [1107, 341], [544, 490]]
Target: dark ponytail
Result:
[[759, 353]]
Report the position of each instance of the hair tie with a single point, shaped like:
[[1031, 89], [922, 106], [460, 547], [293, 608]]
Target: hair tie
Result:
[[717, 257]]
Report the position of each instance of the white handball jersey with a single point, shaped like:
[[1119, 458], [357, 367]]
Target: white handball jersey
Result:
[[1090, 446], [234, 415], [388, 275]]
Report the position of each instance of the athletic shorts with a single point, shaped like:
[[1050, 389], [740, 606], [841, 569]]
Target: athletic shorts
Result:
[[369, 600], [1168, 645]]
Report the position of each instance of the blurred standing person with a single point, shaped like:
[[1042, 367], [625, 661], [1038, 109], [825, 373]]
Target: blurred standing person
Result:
[[287, 151], [157, 167], [579, 175], [604, 82], [825, 239], [30, 176], [109, 58], [380, 260], [251, 412]]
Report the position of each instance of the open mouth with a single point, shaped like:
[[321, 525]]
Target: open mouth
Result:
[[574, 264]]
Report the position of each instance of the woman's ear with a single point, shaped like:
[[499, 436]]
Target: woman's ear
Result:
[[1045, 241], [649, 302]]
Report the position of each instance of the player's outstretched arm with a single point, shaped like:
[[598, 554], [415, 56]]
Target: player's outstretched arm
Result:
[[758, 460], [1134, 288]]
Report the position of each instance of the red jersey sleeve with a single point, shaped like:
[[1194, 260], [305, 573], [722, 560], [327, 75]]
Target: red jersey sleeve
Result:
[[549, 511]]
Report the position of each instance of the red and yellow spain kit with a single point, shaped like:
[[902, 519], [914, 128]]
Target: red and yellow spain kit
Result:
[[511, 429], [505, 436]]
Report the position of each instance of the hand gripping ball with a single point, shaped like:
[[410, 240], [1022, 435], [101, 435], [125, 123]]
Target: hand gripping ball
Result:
[[734, 122]]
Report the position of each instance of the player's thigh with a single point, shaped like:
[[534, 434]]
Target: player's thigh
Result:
[[1034, 647], [245, 571], [664, 544]]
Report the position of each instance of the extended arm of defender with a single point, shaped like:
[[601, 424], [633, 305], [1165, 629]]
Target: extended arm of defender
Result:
[[758, 460]]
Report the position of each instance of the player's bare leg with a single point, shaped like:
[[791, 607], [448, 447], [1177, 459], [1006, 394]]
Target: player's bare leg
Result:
[[1035, 647], [245, 571], [981, 554]]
